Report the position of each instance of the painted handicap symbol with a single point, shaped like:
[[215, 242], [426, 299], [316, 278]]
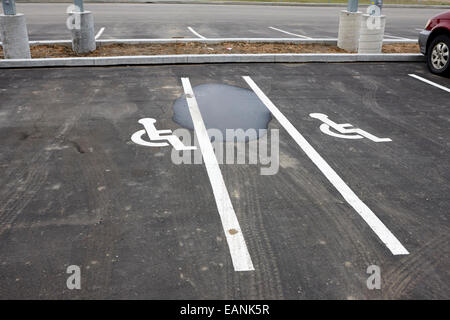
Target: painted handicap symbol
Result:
[[157, 135], [344, 130]]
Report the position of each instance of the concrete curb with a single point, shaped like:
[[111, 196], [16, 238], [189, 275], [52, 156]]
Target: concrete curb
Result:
[[207, 58], [292, 4]]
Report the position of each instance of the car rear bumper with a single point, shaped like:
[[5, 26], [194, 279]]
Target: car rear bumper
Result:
[[423, 38]]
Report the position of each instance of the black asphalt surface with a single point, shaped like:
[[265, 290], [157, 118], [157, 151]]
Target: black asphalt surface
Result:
[[134, 21], [74, 190]]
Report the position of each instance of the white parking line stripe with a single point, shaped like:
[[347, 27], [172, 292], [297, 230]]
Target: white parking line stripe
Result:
[[429, 82], [292, 34], [99, 33], [395, 37], [212, 40], [371, 219], [236, 242], [196, 33]]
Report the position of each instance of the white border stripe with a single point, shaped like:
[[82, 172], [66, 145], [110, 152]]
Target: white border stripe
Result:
[[215, 40], [429, 82], [99, 33], [236, 243], [196, 33], [371, 219], [395, 37], [292, 34]]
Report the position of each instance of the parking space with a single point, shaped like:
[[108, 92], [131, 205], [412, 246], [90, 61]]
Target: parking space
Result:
[[77, 190], [162, 21]]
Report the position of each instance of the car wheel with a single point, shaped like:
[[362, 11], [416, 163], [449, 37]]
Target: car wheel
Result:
[[438, 55]]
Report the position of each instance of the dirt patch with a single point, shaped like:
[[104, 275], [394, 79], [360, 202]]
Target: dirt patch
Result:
[[109, 50], [183, 48], [401, 48]]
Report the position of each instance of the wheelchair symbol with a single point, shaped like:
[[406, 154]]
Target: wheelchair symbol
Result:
[[344, 130], [156, 135]]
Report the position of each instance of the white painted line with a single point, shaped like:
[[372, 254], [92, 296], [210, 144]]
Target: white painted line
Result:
[[215, 40], [212, 40], [395, 37], [361, 208], [99, 33], [290, 33], [236, 242], [196, 33], [429, 82]]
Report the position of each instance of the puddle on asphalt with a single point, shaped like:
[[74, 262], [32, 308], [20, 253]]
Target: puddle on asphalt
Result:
[[226, 107]]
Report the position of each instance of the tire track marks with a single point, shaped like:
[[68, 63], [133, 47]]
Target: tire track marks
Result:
[[402, 279], [264, 282], [99, 243], [31, 178]]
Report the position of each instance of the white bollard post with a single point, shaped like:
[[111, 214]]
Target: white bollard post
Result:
[[371, 34], [14, 36], [349, 25], [83, 37]]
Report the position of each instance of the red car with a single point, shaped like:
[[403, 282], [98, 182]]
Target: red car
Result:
[[434, 43]]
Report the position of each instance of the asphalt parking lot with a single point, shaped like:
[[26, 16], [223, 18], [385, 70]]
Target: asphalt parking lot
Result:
[[75, 190], [46, 21]]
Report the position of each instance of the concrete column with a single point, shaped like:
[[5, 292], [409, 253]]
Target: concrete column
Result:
[[83, 37], [14, 36], [371, 34], [349, 25]]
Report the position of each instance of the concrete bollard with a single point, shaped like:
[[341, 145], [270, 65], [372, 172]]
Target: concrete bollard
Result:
[[83, 37], [371, 34], [349, 25], [14, 36]]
